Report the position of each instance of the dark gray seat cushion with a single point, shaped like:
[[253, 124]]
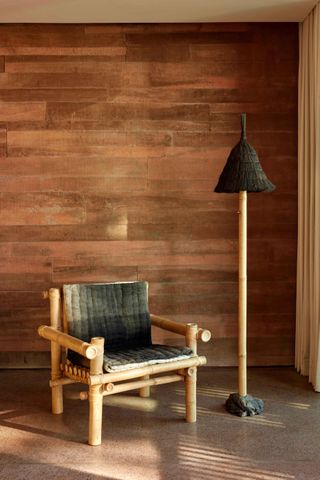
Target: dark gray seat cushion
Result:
[[138, 357], [119, 313]]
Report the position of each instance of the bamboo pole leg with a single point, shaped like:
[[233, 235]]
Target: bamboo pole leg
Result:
[[57, 399], [191, 395], [242, 322], [96, 395], [144, 392], [95, 414], [191, 377], [55, 319]]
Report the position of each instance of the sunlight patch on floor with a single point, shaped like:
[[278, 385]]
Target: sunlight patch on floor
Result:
[[208, 392], [267, 420], [132, 403], [299, 406], [205, 463]]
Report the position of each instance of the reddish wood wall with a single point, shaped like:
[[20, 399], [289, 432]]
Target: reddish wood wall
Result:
[[111, 141]]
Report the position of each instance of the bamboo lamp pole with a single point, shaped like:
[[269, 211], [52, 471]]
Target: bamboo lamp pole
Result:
[[242, 174], [242, 297]]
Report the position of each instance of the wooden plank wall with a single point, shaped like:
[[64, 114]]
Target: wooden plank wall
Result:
[[111, 140]]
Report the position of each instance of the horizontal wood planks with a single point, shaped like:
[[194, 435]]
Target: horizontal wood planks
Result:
[[112, 138]]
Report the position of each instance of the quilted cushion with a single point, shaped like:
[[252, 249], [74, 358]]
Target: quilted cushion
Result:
[[116, 311], [119, 313], [125, 359]]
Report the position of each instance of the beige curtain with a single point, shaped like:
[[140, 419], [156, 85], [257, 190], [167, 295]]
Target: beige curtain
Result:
[[308, 265]]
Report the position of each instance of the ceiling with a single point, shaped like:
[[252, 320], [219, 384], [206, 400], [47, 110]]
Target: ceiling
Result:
[[153, 11]]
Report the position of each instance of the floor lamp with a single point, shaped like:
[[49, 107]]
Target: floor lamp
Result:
[[241, 174]]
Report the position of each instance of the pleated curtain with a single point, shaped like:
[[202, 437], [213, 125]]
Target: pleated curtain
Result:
[[308, 259]]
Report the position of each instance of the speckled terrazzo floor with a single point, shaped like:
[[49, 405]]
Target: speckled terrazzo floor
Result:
[[148, 439]]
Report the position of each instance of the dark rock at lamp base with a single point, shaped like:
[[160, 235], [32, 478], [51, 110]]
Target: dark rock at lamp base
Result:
[[244, 406]]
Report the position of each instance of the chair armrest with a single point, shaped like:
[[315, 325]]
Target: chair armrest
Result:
[[85, 349], [179, 328]]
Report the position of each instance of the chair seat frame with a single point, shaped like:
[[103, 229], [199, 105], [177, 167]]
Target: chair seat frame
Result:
[[100, 383]]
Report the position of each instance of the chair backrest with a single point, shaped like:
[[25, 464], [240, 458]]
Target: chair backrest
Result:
[[116, 311]]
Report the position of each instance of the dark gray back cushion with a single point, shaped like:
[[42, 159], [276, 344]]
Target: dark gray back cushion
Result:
[[116, 311]]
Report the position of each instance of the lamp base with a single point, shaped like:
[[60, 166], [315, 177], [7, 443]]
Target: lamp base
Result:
[[244, 406]]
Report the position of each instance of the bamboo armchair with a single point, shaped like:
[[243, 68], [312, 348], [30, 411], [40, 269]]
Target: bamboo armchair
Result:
[[101, 383]]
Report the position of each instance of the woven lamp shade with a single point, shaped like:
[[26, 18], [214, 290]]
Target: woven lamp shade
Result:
[[243, 171]]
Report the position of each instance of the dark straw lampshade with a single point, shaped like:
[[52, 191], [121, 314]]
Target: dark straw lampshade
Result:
[[243, 171]]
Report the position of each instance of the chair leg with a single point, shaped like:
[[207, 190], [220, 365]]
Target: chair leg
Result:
[[57, 399], [55, 319], [144, 392], [56, 391], [96, 395], [95, 414], [191, 395]]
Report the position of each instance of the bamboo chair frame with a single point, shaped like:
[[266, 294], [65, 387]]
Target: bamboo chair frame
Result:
[[101, 384]]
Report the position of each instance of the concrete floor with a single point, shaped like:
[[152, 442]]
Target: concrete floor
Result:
[[147, 439]]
